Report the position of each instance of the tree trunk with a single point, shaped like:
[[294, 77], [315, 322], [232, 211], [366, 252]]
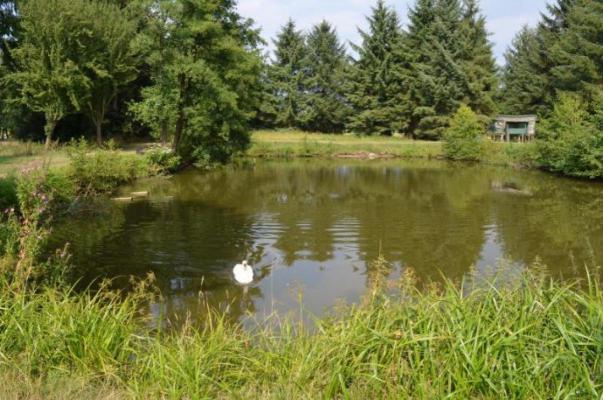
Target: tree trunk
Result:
[[181, 116], [164, 132], [178, 132], [99, 132], [51, 123]]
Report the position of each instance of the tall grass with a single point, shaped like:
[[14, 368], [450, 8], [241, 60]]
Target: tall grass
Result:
[[537, 339]]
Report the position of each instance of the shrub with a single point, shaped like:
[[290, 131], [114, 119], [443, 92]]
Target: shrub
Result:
[[464, 139], [8, 192], [570, 142], [164, 159], [94, 171], [44, 192]]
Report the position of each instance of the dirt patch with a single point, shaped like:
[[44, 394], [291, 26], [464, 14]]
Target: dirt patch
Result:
[[363, 155]]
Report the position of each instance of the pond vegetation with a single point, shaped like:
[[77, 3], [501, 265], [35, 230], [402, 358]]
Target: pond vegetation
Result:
[[382, 268]]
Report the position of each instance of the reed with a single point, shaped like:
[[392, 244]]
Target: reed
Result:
[[534, 339]]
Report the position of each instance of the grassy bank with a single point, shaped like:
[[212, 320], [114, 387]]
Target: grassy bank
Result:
[[15, 156], [292, 144], [533, 340], [289, 144]]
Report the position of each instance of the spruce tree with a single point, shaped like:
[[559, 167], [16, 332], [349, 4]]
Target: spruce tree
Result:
[[556, 19], [376, 88], [479, 64], [578, 55], [438, 75], [324, 107], [528, 84], [286, 74], [524, 84]]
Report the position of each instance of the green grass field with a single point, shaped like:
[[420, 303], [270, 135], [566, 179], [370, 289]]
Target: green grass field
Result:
[[295, 144], [289, 144], [15, 156]]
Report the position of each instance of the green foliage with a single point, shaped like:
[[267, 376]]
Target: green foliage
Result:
[[95, 172], [9, 238], [42, 193], [205, 72], [464, 139], [49, 76], [570, 142], [524, 85], [376, 84], [164, 159], [479, 66], [324, 107], [108, 59], [451, 62], [75, 56], [8, 192], [578, 54], [286, 74]]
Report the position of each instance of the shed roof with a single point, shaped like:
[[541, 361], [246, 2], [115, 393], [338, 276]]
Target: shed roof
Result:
[[517, 118]]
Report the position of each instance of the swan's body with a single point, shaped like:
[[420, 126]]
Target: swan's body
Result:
[[243, 273]]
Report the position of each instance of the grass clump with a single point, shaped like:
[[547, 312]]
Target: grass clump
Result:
[[534, 339]]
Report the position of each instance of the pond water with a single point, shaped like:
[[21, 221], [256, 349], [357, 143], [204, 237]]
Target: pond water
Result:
[[312, 229]]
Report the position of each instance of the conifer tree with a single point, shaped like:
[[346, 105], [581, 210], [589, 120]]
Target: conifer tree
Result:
[[479, 63], [438, 76], [324, 107], [528, 84], [523, 90], [578, 55], [376, 84], [286, 74], [556, 19]]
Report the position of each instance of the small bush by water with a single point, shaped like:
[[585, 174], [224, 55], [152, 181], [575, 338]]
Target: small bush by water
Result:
[[464, 139]]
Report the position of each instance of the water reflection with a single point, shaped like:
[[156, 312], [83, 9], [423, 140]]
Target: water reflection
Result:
[[315, 227]]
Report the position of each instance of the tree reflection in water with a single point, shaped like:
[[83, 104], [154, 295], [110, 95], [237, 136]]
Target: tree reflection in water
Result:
[[317, 226]]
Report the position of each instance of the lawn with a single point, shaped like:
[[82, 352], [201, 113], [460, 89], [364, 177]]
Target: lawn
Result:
[[290, 143]]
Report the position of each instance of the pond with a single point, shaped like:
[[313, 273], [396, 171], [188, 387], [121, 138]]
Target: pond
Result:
[[312, 230]]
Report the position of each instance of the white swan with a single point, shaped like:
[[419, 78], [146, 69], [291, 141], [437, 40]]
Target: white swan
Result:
[[243, 273]]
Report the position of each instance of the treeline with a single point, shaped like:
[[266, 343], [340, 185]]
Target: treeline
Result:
[[184, 71], [412, 80], [400, 81], [191, 72]]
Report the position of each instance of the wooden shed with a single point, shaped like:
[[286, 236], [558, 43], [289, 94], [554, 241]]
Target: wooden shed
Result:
[[518, 128]]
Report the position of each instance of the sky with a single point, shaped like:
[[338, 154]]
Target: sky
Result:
[[505, 17]]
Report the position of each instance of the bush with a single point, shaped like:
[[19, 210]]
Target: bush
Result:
[[570, 142], [8, 192], [44, 192], [95, 171], [163, 159], [464, 139]]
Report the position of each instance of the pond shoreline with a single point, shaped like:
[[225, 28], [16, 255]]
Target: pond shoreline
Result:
[[430, 343], [279, 145]]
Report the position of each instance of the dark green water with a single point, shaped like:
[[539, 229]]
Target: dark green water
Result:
[[311, 229]]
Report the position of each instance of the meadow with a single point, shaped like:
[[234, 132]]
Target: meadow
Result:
[[285, 144]]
